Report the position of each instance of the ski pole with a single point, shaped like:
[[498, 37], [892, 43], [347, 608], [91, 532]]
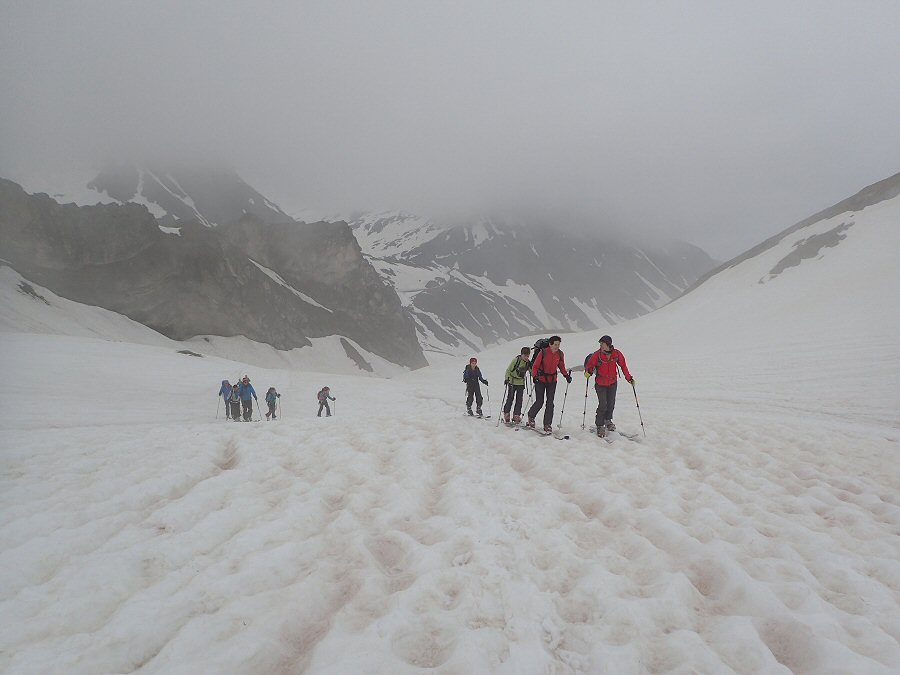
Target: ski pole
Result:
[[638, 407], [562, 410], [217, 407], [587, 381], [258, 411], [487, 390], [503, 403]]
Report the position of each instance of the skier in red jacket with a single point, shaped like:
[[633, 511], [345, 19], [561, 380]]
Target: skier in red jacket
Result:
[[543, 372], [603, 362]]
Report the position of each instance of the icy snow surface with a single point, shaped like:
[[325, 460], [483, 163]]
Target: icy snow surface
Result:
[[756, 528]]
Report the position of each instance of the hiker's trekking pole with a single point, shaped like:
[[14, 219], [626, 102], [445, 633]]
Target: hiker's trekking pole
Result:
[[217, 407], [562, 410], [487, 390], [258, 411], [587, 381], [503, 403], [638, 407], [335, 407]]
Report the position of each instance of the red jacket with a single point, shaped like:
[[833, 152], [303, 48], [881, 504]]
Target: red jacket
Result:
[[546, 363], [604, 365]]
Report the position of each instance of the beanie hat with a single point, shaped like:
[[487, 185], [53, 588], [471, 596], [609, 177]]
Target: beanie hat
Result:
[[473, 360], [607, 340]]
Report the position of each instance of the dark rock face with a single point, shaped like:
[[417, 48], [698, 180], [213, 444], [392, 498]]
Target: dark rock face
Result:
[[278, 284]]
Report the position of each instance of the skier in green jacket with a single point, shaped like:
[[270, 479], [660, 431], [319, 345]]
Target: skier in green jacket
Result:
[[514, 379]]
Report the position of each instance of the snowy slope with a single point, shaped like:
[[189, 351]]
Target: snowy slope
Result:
[[492, 278], [27, 308], [756, 528]]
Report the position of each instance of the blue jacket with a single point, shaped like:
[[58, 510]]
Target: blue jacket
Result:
[[246, 391], [225, 391]]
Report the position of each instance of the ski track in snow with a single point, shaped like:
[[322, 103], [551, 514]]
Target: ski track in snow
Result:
[[327, 546]]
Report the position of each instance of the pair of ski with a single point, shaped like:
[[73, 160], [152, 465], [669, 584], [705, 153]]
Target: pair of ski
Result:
[[477, 417], [630, 437], [539, 432]]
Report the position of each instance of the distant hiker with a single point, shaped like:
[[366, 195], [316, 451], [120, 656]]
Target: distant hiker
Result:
[[543, 372], [247, 392], [472, 377], [603, 362], [225, 393], [515, 385], [324, 396], [234, 403], [272, 397]]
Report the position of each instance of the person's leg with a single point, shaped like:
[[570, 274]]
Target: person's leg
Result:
[[519, 390], [548, 410], [248, 409], [470, 393], [509, 399], [601, 405], [610, 404], [321, 405], [327, 409], [538, 399], [478, 399]]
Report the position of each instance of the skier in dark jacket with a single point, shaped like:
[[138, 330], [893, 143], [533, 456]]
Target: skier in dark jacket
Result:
[[324, 396], [472, 377], [234, 403], [603, 362], [543, 373], [272, 397], [247, 392], [515, 385], [225, 393]]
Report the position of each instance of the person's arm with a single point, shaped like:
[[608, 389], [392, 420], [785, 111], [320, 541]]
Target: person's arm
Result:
[[538, 360], [509, 369], [624, 366], [562, 367], [481, 377]]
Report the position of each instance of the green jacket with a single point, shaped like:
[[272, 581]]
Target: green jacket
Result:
[[515, 372]]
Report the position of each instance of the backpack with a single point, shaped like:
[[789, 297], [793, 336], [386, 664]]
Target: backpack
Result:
[[539, 346]]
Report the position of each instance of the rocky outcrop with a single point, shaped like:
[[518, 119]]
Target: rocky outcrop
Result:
[[276, 283]]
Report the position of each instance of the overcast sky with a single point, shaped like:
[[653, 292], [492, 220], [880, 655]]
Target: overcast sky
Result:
[[721, 122]]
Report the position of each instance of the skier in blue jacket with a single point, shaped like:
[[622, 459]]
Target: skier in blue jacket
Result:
[[247, 392], [225, 393]]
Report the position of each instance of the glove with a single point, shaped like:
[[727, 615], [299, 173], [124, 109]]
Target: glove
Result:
[[630, 380], [506, 382], [587, 374], [569, 378], [486, 383], [278, 395]]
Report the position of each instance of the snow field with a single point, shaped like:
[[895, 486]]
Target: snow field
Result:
[[406, 537]]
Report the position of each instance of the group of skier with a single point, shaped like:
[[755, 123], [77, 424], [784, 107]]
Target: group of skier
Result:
[[239, 400], [543, 367]]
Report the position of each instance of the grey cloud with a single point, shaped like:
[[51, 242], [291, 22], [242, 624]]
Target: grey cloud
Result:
[[716, 122]]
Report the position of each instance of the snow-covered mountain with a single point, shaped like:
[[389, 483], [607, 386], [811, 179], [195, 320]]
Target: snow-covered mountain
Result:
[[211, 195], [474, 284], [754, 529]]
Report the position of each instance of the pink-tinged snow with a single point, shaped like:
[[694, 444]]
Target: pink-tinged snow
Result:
[[756, 528]]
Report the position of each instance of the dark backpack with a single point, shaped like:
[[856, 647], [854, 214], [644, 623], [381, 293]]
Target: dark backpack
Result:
[[539, 346]]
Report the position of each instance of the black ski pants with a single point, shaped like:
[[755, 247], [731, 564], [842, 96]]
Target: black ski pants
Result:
[[235, 410], [248, 409], [272, 410], [514, 391], [324, 404], [539, 389], [473, 390], [606, 402]]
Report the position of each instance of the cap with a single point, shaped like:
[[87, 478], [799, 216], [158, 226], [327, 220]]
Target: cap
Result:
[[607, 340]]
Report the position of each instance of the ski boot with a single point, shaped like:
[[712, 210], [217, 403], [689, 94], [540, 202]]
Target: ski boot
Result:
[[601, 431], [610, 426], [478, 413], [506, 418], [469, 411], [517, 419], [530, 423], [548, 429]]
